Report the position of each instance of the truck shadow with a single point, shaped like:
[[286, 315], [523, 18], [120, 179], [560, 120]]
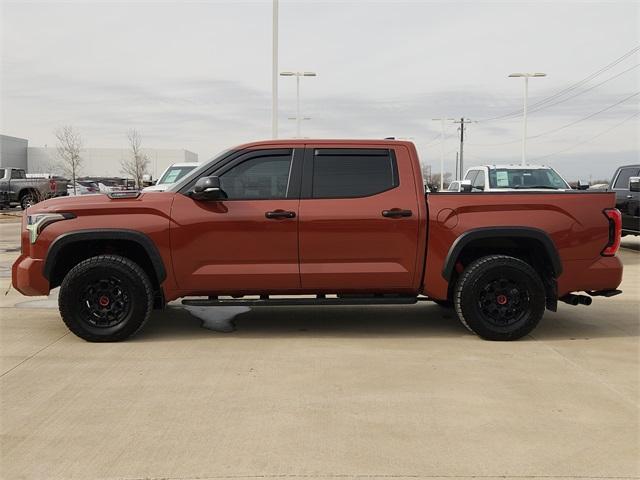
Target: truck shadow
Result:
[[422, 320]]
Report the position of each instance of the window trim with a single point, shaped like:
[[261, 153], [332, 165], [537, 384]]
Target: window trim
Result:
[[309, 159], [234, 158]]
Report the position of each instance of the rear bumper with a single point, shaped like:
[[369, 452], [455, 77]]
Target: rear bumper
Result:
[[601, 274], [27, 277]]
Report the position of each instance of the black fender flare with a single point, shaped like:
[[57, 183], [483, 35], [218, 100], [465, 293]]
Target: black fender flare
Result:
[[501, 232], [105, 234]]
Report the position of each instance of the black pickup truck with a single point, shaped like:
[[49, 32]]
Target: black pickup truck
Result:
[[626, 184], [17, 189]]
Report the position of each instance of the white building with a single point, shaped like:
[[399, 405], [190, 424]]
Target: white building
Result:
[[105, 162], [13, 152]]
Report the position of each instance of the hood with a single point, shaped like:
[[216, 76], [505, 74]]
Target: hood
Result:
[[101, 204]]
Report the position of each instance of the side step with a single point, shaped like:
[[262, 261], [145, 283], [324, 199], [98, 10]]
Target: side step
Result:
[[265, 301]]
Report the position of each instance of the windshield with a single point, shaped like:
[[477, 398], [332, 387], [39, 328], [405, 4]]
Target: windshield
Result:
[[526, 178], [173, 174]]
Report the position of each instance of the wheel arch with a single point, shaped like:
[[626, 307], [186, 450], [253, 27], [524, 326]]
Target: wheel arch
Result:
[[532, 245], [475, 236], [83, 243]]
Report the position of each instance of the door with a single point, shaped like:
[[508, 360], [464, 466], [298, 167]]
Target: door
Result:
[[627, 201], [247, 243], [359, 220]]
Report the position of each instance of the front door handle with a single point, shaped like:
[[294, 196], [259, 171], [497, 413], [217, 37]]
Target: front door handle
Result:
[[396, 212], [280, 214], [629, 196]]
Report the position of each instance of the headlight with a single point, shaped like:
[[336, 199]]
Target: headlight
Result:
[[38, 221]]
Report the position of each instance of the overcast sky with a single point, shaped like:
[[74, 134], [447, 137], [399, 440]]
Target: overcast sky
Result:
[[197, 75]]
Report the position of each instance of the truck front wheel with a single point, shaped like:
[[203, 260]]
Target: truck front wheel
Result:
[[499, 298], [106, 298]]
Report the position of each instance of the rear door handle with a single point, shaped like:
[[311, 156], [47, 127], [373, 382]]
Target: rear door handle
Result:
[[629, 196], [397, 212], [280, 214]]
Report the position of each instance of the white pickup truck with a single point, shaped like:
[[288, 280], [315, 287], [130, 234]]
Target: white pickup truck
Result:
[[500, 178]]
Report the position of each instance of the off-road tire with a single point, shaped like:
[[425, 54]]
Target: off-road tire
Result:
[[499, 276], [132, 288]]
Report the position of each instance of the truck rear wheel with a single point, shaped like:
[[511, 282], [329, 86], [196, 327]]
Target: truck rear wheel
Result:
[[500, 298], [105, 298]]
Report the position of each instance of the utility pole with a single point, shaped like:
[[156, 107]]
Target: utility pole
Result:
[[274, 72], [457, 177], [441, 120], [462, 121]]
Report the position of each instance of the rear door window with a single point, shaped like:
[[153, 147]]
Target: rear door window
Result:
[[348, 173]]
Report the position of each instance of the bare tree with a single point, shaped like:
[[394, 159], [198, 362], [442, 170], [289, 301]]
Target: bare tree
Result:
[[137, 164], [69, 146]]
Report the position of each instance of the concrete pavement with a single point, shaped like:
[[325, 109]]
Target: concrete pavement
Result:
[[321, 392]]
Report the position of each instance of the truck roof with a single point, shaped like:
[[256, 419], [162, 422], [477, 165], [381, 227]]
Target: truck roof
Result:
[[331, 141], [512, 167]]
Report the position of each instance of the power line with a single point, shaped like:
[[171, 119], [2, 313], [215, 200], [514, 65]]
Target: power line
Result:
[[567, 89], [590, 139], [559, 128], [585, 118], [586, 90]]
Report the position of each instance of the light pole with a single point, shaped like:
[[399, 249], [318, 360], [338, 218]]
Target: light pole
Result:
[[442, 120], [274, 72], [298, 75], [526, 77]]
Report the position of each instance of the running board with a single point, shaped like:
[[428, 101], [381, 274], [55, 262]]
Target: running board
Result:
[[269, 302]]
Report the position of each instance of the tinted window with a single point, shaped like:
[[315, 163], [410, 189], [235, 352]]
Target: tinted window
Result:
[[341, 173], [18, 174], [258, 178], [623, 179], [1, 172]]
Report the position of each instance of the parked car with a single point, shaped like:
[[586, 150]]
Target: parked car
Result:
[[319, 217], [170, 176], [83, 187], [625, 184], [17, 189], [491, 178]]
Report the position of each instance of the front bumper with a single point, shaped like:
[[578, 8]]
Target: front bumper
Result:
[[27, 277]]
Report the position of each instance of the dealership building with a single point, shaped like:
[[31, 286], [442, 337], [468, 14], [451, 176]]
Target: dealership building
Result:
[[96, 162]]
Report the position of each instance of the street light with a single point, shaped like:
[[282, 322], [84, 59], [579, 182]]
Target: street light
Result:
[[526, 77], [298, 75], [274, 70]]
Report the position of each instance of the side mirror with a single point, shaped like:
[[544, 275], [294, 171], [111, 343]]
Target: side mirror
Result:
[[208, 188], [634, 184], [582, 185], [465, 186]]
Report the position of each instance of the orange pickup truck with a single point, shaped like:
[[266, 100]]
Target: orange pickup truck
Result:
[[320, 222]]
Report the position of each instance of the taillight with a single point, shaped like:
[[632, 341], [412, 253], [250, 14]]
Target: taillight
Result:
[[52, 185], [615, 231]]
